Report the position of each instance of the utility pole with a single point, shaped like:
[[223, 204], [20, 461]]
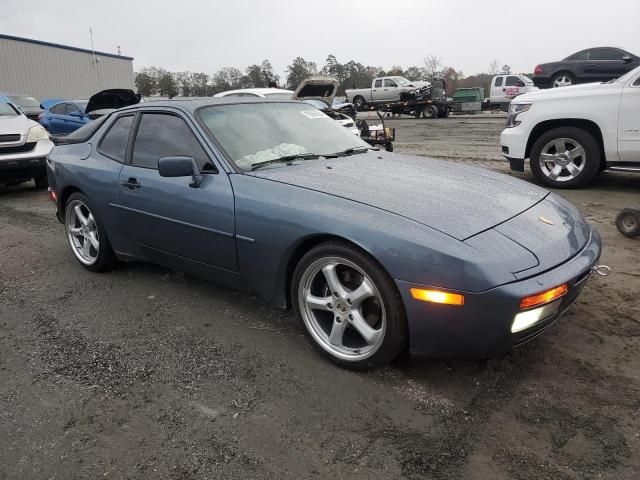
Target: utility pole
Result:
[[95, 59]]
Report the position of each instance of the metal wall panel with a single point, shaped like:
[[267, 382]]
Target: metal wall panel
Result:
[[46, 71]]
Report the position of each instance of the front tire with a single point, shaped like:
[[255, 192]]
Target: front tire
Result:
[[565, 157], [86, 235], [349, 306]]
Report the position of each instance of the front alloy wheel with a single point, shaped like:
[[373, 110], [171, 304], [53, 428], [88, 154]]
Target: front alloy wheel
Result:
[[348, 306], [563, 159]]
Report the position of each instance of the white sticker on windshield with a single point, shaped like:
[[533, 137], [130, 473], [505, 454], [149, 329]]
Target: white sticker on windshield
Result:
[[313, 114]]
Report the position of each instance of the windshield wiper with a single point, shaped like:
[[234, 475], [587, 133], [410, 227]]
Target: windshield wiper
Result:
[[350, 151], [285, 159]]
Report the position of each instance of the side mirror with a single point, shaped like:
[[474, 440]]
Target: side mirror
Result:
[[180, 167], [627, 59]]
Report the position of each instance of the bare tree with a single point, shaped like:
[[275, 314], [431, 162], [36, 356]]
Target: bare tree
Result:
[[434, 66], [494, 67], [506, 69]]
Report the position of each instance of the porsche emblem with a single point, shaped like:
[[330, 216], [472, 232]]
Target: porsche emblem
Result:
[[545, 220]]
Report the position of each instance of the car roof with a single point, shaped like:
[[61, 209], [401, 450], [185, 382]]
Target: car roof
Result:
[[258, 91]]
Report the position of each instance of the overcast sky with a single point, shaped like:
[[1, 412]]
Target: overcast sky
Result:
[[205, 35]]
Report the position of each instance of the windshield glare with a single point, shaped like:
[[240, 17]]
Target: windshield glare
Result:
[[284, 95], [257, 132], [7, 110]]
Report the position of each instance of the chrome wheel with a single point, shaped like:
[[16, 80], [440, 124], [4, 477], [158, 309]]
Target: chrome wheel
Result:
[[562, 159], [82, 232], [342, 308], [562, 81]]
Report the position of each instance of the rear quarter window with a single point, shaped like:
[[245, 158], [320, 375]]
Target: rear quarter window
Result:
[[114, 142]]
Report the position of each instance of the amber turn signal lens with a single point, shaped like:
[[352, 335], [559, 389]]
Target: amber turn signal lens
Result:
[[437, 296], [544, 297]]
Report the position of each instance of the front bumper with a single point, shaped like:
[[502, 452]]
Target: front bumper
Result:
[[481, 327], [25, 165]]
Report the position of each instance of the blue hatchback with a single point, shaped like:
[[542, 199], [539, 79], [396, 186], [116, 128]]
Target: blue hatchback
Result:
[[63, 116]]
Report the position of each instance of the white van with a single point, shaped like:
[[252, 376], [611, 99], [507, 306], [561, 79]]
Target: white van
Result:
[[505, 88]]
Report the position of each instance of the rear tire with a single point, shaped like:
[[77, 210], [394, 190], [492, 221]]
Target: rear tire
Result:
[[359, 103], [565, 157], [563, 79], [83, 225], [430, 111], [349, 306]]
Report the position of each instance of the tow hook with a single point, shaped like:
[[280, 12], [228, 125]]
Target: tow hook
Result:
[[602, 270]]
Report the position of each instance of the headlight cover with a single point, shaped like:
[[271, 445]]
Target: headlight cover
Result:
[[37, 133], [516, 109]]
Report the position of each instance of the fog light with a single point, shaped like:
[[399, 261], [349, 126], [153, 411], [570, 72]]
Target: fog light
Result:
[[437, 296], [524, 320]]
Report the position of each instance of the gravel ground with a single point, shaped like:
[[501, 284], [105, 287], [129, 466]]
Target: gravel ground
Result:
[[147, 373]]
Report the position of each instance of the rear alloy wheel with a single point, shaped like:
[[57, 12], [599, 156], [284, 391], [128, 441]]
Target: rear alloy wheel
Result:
[[349, 306], [86, 235], [562, 79], [565, 157], [430, 111]]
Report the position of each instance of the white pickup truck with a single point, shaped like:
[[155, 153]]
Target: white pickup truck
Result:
[[571, 134], [382, 90]]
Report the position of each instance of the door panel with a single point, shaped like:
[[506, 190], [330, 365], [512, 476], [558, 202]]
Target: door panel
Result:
[[629, 124], [167, 215]]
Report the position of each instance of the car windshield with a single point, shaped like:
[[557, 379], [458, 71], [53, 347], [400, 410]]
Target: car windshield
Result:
[[401, 81], [7, 110], [82, 104], [24, 101], [254, 133]]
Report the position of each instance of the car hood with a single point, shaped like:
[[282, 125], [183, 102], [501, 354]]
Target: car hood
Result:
[[112, 99], [563, 92], [18, 124], [455, 199], [319, 88]]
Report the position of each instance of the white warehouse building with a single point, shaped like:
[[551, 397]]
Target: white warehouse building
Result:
[[49, 70]]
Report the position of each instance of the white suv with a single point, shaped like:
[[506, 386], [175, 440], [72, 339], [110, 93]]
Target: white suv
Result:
[[571, 134], [24, 146]]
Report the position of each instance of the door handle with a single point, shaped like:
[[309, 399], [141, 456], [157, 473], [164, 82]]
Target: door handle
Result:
[[131, 184]]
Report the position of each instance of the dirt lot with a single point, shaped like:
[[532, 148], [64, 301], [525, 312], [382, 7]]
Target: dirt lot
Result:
[[146, 373]]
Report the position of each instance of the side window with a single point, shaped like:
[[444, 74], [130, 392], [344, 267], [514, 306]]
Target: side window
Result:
[[378, 83], [580, 55], [606, 54], [72, 108], [636, 83], [114, 142], [59, 109], [389, 83], [498, 82], [513, 81], [162, 135]]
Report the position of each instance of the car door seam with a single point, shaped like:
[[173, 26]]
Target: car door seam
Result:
[[172, 220]]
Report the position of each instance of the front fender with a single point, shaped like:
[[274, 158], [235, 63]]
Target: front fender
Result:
[[273, 219]]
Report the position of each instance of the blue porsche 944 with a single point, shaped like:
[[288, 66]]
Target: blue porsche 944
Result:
[[375, 252]]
